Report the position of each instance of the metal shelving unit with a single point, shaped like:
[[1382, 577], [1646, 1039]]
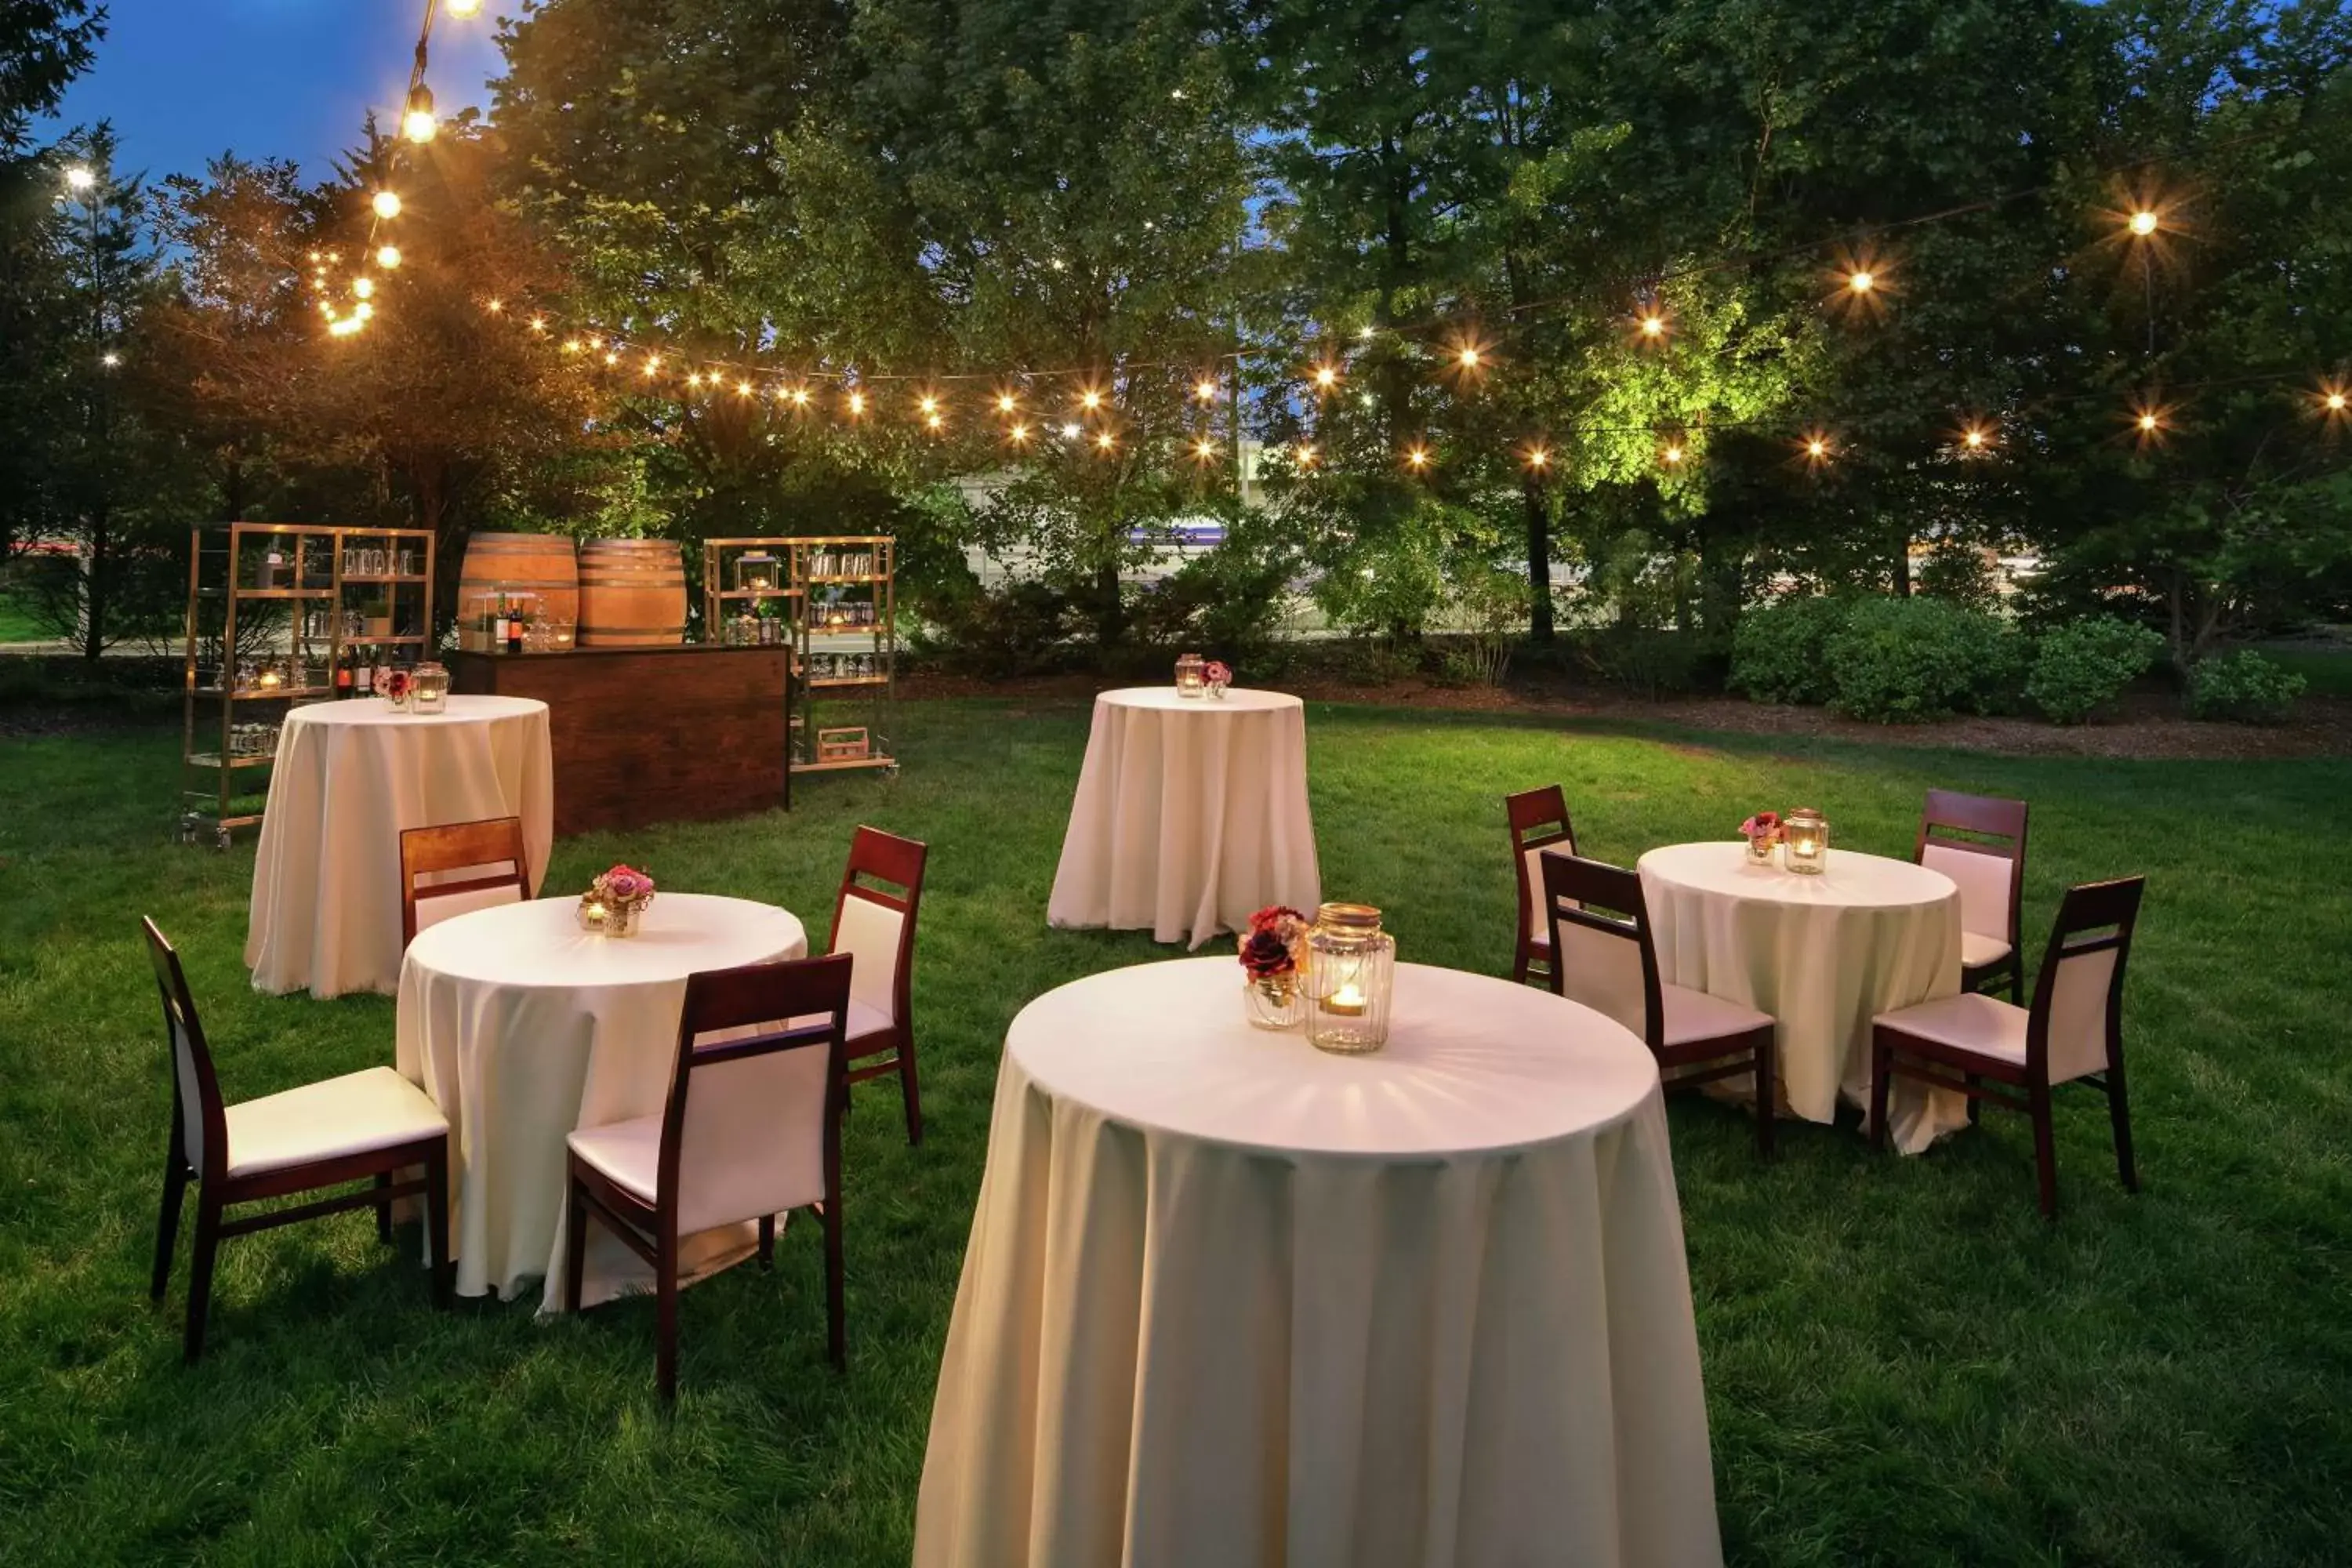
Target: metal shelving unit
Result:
[[267, 605], [838, 599]]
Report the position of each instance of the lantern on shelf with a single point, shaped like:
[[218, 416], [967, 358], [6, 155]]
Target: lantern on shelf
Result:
[[1350, 971], [1805, 840], [758, 572], [1192, 675]]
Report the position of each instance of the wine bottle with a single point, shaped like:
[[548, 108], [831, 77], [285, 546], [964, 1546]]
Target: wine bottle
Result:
[[363, 680], [343, 674]]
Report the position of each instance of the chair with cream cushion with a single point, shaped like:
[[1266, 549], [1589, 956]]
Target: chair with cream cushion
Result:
[[873, 918], [1987, 866], [1539, 821], [1608, 964], [752, 1130], [470, 866], [373, 1123], [1996, 1051]]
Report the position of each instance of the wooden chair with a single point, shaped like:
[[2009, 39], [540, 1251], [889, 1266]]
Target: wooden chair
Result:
[[1996, 1051], [1989, 870], [373, 1123], [753, 1129], [1609, 963], [877, 925], [1538, 822], [490, 850]]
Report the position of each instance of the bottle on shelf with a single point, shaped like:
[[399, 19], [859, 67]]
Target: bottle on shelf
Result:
[[344, 676], [514, 629], [363, 677]]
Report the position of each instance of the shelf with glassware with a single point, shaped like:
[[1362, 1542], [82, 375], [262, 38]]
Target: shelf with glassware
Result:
[[847, 647], [749, 599], [280, 615]]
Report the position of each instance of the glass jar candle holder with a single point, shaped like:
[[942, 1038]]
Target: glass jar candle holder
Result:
[[1805, 841], [429, 687], [1192, 675], [1350, 971]]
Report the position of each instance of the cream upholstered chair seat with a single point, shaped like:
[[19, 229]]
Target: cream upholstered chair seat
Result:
[[357, 1113], [1973, 1022], [1695, 1016], [1977, 948]]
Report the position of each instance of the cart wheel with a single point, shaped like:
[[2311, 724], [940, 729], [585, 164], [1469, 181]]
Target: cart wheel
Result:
[[188, 833], [220, 839]]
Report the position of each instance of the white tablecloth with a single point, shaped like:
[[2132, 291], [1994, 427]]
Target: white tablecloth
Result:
[[1191, 815], [522, 1027], [1232, 1301], [350, 777], [1822, 954]]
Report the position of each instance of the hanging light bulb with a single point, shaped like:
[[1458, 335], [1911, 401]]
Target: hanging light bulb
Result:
[[1468, 356], [1654, 326], [387, 257], [1204, 448], [80, 178], [933, 422], [2144, 222], [1816, 446], [1327, 376], [1416, 457], [1017, 434], [611, 357], [363, 288], [495, 307], [571, 345], [109, 359], [1090, 400], [856, 405], [1105, 441], [652, 366], [387, 203], [418, 124], [1538, 458], [928, 405], [1006, 402], [1862, 281], [1205, 390], [1673, 454], [364, 310], [742, 389], [461, 9], [1306, 457], [1366, 331], [1072, 431]]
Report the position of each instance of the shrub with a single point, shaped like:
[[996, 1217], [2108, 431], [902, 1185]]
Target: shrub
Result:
[[1959, 573], [1903, 660], [2084, 665], [2244, 686], [1779, 650]]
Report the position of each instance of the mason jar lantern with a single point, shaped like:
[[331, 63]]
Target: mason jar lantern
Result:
[[1805, 841], [1350, 971], [1192, 675]]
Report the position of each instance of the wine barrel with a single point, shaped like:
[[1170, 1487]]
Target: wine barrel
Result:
[[540, 564], [632, 593]]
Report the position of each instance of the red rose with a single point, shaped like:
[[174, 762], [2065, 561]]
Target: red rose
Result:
[[1265, 955]]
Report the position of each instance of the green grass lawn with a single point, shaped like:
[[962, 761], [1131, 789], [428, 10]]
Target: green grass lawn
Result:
[[16, 622], [1904, 1364]]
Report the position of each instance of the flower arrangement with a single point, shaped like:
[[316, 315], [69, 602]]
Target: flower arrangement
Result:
[[614, 900], [1272, 950], [1219, 675], [1762, 831], [395, 685]]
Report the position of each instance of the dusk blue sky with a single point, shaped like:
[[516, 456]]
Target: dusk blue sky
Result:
[[183, 80]]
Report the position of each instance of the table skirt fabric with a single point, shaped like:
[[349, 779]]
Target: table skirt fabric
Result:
[[517, 1067], [325, 911], [1168, 1352], [1822, 970], [1187, 820]]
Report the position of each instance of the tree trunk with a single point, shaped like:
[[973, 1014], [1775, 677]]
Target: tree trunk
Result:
[[1539, 613], [1110, 614], [93, 587]]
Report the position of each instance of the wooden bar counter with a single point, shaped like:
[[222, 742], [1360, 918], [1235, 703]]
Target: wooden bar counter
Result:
[[643, 735]]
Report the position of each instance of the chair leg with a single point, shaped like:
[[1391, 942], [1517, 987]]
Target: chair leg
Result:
[[436, 1223], [1767, 1093], [167, 1225], [835, 1324], [766, 1241], [1882, 1068], [666, 1318], [383, 1207], [1519, 965], [907, 1086], [575, 1246], [2119, 1113], [1975, 1106], [2045, 1150], [2016, 980], [200, 1272]]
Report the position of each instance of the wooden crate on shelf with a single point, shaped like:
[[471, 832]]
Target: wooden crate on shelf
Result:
[[849, 743]]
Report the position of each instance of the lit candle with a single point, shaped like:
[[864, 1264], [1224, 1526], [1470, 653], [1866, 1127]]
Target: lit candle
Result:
[[594, 914], [1347, 1001]]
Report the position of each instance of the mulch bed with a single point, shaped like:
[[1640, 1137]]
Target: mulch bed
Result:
[[2150, 726]]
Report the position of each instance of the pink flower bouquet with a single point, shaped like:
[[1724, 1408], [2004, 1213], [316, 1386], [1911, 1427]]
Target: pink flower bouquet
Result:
[[1272, 951], [614, 900], [1762, 831]]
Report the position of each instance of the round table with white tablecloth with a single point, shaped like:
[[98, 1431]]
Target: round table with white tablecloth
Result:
[[350, 777], [1822, 954], [1191, 815], [1231, 1300], [524, 1028]]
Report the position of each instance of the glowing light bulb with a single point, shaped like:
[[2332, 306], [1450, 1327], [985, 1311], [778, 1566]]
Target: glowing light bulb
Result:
[[1204, 448], [652, 366], [1365, 331], [1654, 326], [364, 310], [856, 404], [1205, 390], [418, 124], [800, 396], [2143, 223], [1071, 432], [1537, 458], [80, 178], [1673, 454], [2334, 402], [611, 358], [1468, 357], [1017, 434], [932, 421], [1816, 448], [1973, 437], [1861, 282], [571, 345], [461, 9], [1417, 457], [2148, 422], [314, 256], [1105, 442], [363, 288], [1005, 403], [388, 256], [387, 203], [495, 307], [1305, 456], [742, 389], [1327, 376], [109, 359], [929, 405], [1090, 400]]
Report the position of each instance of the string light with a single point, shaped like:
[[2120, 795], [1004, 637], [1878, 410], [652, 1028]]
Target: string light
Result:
[[1205, 390], [611, 357], [462, 9], [1327, 376], [928, 405], [388, 256], [1975, 437], [1672, 455], [800, 396], [1017, 434], [1416, 457], [363, 288], [571, 345], [652, 366], [1006, 402], [1537, 458], [2333, 401], [1090, 400], [1468, 358], [495, 306], [387, 203], [1862, 281], [109, 359], [1366, 333], [80, 178], [419, 125], [1105, 442], [1072, 431], [1816, 448], [857, 406], [364, 310], [1654, 327], [693, 379], [2144, 222], [742, 389], [1204, 448], [933, 422], [2150, 420]]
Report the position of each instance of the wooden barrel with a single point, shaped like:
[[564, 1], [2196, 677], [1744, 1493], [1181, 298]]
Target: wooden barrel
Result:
[[632, 593], [538, 564]]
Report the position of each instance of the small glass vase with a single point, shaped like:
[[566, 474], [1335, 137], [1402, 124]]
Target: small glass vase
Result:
[[1217, 689], [1273, 1001], [1759, 849]]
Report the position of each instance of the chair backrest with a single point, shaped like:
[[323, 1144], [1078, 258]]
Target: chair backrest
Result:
[[471, 866], [753, 1123], [1538, 821], [1988, 869], [2078, 996], [1604, 960], [196, 1110], [873, 918]]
